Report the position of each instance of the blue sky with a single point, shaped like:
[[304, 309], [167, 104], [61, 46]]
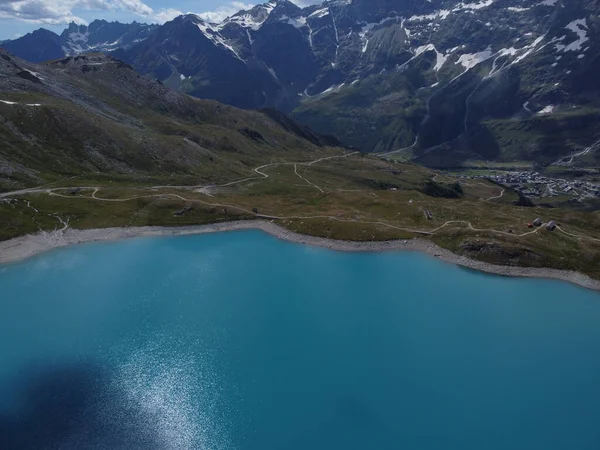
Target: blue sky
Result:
[[18, 17]]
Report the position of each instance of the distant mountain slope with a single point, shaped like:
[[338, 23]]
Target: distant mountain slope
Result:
[[100, 36], [442, 81], [96, 115], [379, 74], [40, 45]]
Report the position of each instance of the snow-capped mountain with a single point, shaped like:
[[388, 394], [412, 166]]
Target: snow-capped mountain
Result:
[[100, 36], [103, 36], [441, 80], [386, 74]]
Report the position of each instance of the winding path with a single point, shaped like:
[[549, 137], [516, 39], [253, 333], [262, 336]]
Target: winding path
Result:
[[258, 170], [496, 196], [308, 182], [468, 224]]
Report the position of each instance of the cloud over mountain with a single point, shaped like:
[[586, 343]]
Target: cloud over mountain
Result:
[[53, 12]]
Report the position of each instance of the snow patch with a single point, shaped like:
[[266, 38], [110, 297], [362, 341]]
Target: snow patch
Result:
[[332, 89], [473, 6], [247, 20], [547, 110], [440, 57], [215, 37], [367, 28], [470, 60], [530, 49], [297, 22], [320, 13], [441, 14], [35, 74], [578, 27], [6, 102]]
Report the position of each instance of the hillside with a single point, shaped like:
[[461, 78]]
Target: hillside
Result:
[[93, 114]]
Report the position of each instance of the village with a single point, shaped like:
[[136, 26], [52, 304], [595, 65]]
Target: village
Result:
[[534, 184]]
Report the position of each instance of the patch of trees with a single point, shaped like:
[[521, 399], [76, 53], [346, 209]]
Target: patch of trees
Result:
[[440, 190], [252, 134], [379, 185], [524, 201]]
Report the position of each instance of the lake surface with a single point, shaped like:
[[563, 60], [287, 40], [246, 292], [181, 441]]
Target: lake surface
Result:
[[241, 341]]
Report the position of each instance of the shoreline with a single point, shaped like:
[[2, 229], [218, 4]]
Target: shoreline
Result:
[[24, 247]]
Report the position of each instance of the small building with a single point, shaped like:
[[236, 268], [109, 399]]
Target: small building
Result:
[[537, 222], [182, 211], [551, 226]]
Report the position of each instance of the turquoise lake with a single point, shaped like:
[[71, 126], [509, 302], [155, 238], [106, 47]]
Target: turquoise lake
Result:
[[241, 341]]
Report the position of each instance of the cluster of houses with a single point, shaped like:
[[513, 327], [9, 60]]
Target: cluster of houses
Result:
[[534, 184], [550, 226]]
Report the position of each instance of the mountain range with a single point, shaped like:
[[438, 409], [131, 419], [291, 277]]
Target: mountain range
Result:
[[100, 36], [442, 82]]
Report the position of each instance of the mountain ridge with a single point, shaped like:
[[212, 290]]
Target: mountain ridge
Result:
[[438, 81], [92, 114], [99, 36]]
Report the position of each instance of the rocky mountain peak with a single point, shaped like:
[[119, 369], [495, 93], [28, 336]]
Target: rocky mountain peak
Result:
[[75, 28], [99, 35]]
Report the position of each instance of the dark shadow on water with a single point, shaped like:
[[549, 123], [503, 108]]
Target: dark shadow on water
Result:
[[76, 408]]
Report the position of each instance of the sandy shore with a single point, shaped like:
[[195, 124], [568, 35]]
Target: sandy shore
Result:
[[30, 245]]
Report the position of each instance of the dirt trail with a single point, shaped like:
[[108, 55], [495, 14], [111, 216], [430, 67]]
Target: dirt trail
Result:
[[258, 170], [496, 196], [308, 182], [577, 236]]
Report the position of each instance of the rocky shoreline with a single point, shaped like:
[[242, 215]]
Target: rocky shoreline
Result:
[[27, 246]]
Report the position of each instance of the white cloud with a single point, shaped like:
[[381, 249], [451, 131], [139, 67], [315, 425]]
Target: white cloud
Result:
[[135, 6], [164, 15], [54, 12], [224, 11], [38, 11]]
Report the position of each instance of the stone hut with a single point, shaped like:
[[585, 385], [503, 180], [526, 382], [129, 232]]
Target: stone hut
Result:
[[551, 226], [537, 222]]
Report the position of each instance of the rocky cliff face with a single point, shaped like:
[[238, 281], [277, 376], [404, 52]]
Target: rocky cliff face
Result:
[[450, 77], [100, 36]]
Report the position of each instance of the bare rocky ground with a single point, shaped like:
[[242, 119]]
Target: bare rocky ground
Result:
[[27, 246]]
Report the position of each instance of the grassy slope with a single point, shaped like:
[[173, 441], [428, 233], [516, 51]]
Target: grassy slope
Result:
[[377, 114], [111, 121], [544, 138]]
